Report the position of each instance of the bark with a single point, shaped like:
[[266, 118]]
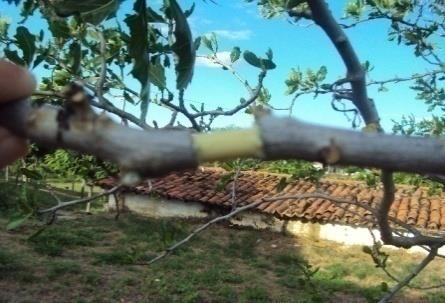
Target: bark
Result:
[[156, 152]]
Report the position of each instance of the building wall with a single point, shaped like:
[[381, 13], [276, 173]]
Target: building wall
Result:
[[160, 208], [166, 208]]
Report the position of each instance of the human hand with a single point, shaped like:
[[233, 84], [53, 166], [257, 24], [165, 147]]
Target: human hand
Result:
[[15, 83]]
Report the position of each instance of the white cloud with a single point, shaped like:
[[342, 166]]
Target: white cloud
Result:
[[234, 35], [222, 56]]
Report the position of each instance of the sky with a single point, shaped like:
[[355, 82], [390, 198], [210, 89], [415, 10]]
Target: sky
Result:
[[237, 23]]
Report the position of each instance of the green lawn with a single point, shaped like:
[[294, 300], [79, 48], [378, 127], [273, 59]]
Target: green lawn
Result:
[[90, 258]]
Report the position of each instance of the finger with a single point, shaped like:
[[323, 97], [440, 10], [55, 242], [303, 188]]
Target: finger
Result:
[[15, 82], [11, 147]]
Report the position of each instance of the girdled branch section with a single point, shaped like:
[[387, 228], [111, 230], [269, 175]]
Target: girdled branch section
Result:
[[157, 152]]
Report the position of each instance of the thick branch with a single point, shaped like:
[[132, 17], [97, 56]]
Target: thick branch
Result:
[[105, 105], [383, 220], [355, 73], [286, 138], [156, 152]]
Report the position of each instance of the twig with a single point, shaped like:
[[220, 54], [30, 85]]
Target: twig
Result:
[[80, 201], [252, 98], [234, 187], [172, 119], [196, 231], [397, 280], [116, 196], [430, 257], [103, 68], [106, 105], [408, 78], [238, 210], [230, 68]]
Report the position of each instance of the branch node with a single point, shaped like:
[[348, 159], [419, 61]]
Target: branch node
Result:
[[331, 154]]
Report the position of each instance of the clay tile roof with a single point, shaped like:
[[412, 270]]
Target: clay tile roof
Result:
[[412, 206]]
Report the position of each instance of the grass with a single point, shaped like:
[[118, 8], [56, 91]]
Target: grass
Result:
[[93, 257], [61, 267], [10, 262]]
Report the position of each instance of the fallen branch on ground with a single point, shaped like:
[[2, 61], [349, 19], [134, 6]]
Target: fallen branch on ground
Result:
[[430, 257], [393, 277], [338, 201]]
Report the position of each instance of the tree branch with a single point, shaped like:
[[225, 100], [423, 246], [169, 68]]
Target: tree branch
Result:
[[355, 73], [393, 277], [338, 201], [105, 105], [79, 201], [430, 257], [156, 152], [239, 107], [383, 222], [103, 68], [230, 68]]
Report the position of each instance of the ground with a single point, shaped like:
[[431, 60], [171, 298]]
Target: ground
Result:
[[95, 258], [91, 258]]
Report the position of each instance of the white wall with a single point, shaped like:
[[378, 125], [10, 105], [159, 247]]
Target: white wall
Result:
[[161, 208], [165, 208]]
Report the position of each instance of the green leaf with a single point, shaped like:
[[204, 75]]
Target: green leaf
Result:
[[28, 8], [39, 59], [322, 72], [31, 174], [128, 98], [91, 11], [367, 250], [17, 220], [184, 47], [208, 43], [154, 17], [254, 60], [14, 57], [4, 25], [41, 35], [224, 180], [26, 42], [59, 29], [235, 54], [138, 44], [293, 81], [197, 43], [194, 108], [281, 185], [157, 74], [384, 286], [269, 54]]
